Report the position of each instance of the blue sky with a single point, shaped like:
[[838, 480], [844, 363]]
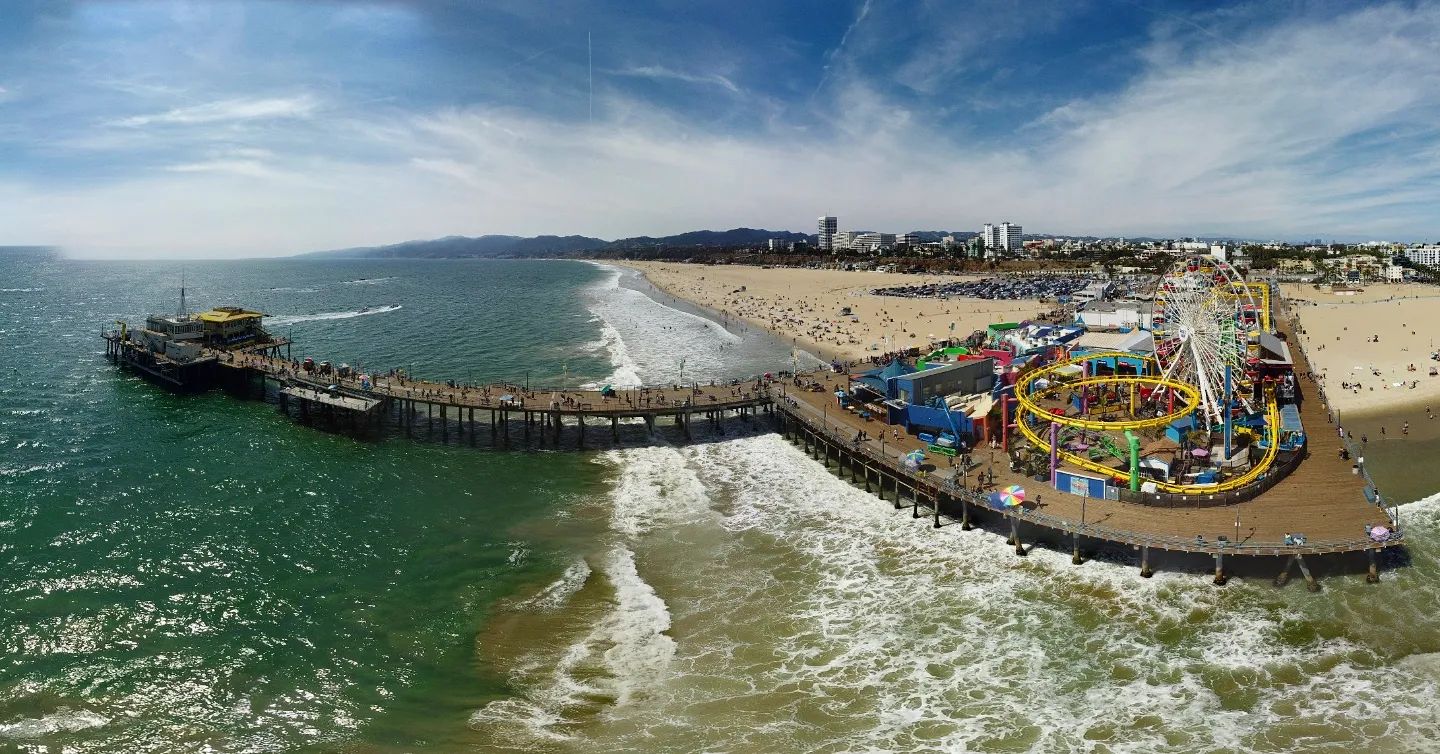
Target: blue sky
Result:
[[219, 128]]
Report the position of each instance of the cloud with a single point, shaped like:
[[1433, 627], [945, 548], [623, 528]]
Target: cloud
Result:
[[225, 111], [248, 168], [833, 55], [1307, 126], [662, 73]]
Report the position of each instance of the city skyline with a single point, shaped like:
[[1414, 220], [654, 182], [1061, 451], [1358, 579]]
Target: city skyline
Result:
[[250, 130]]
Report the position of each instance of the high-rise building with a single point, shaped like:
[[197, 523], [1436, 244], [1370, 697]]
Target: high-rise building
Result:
[[828, 226], [989, 236], [1010, 237]]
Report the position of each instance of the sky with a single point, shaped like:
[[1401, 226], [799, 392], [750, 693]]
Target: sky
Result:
[[210, 129]]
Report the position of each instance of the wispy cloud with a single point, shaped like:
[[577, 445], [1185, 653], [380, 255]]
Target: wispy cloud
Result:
[[833, 55], [1322, 124], [248, 168], [663, 73], [229, 110]]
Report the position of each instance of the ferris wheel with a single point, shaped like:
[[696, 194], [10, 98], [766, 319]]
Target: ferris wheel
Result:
[[1202, 321]]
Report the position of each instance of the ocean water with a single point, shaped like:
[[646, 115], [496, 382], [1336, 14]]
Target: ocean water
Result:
[[193, 573]]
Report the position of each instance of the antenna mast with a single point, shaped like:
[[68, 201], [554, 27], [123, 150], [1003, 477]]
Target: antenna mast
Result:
[[183, 313]]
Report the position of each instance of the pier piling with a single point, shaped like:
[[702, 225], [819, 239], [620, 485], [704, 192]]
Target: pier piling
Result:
[[1310, 582]]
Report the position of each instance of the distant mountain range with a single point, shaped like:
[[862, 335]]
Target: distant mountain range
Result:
[[452, 247]]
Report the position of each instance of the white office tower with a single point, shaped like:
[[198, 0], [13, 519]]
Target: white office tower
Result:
[[828, 226], [1009, 237], [990, 237]]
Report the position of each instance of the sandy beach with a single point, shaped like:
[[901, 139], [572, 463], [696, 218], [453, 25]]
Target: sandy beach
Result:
[[1370, 348], [803, 306]]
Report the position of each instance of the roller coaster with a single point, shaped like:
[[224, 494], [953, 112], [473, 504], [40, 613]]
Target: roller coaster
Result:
[[1204, 320], [1031, 414]]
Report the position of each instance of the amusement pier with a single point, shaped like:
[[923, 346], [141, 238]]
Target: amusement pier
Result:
[[1195, 436]]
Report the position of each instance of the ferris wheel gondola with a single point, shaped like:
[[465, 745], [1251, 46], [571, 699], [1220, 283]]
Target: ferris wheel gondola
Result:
[[1203, 318]]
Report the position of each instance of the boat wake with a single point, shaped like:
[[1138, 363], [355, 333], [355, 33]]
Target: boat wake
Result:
[[290, 319], [62, 720], [367, 281]]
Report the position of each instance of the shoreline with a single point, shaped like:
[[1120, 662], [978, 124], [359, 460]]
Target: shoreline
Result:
[[816, 350], [831, 313]]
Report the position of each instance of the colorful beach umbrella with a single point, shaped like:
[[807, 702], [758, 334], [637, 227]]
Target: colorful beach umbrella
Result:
[[1012, 496]]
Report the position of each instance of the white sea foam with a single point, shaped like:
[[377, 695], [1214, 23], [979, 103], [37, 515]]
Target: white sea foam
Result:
[[20, 290], [624, 655], [62, 720], [648, 339], [627, 372], [556, 594], [627, 652], [655, 486], [290, 319]]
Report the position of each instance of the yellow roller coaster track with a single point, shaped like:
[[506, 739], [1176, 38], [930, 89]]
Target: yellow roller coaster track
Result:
[[1028, 407], [1190, 400]]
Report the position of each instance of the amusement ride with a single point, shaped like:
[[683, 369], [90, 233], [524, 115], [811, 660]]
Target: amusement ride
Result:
[[1198, 399]]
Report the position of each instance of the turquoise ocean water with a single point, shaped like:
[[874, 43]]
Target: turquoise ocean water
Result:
[[200, 573]]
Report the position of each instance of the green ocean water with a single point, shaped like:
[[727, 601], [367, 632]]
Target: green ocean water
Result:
[[201, 573]]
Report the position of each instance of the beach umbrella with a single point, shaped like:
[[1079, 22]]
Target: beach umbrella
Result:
[[1013, 496], [1379, 534], [996, 500]]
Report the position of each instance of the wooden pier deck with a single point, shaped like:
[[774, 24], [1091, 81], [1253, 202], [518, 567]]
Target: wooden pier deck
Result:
[[625, 403]]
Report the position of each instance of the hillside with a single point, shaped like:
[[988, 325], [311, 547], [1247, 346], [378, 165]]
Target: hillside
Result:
[[453, 247]]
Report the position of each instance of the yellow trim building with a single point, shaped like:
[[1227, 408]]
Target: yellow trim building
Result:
[[226, 325]]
